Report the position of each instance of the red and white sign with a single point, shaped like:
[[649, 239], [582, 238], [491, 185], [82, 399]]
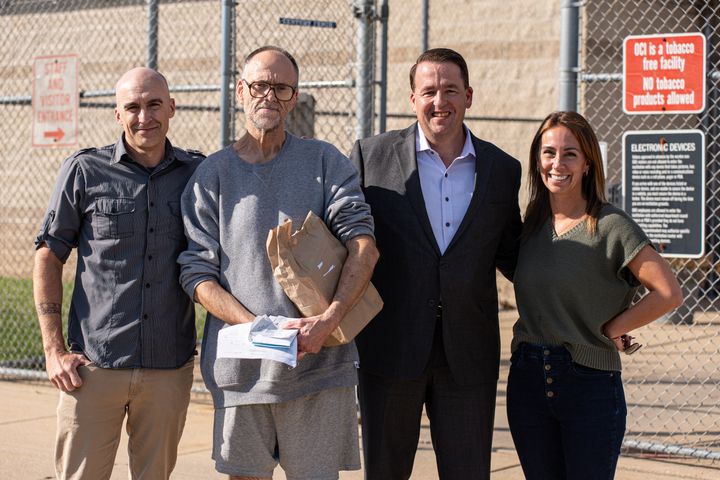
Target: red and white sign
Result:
[[664, 73], [55, 101]]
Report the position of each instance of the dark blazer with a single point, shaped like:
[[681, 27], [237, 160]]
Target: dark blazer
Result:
[[412, 276]]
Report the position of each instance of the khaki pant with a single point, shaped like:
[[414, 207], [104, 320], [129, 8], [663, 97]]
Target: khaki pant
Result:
[[90, 419]]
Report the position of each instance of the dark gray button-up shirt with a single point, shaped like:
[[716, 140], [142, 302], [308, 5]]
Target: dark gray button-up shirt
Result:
[[128, 309]]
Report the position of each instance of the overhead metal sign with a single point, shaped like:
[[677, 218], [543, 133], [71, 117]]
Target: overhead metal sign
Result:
[[664, 73], [664, 188]]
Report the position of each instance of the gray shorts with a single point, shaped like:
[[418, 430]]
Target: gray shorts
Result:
[[312, 437]]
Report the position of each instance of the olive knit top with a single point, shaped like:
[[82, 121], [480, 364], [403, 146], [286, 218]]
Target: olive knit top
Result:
[[567, 286]]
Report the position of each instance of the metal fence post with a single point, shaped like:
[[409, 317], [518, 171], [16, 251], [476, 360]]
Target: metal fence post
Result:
[[126, 33], [710, 289], [676, 385], [152, 38], [364, 12], [425, 15], [227, 73], [569, 40], [382, 107]]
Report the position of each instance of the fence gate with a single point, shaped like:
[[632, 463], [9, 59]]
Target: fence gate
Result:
[[672, 385]]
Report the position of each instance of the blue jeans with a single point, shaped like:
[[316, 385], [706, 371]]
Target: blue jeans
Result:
[[567, 420]]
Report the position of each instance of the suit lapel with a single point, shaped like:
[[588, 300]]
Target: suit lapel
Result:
[[483, 167], [406, 155]]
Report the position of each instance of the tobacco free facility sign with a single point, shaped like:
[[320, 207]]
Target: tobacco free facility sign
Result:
[[55, 101], [664, 73]]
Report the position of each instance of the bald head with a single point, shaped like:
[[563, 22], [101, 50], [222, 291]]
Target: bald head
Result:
[[271, 66], [144, 108], [140, 76], [277, 50]]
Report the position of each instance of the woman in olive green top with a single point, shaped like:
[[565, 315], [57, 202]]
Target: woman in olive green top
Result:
[[580, 264]]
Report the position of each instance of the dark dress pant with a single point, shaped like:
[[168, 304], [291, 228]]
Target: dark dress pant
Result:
[[461, 422]]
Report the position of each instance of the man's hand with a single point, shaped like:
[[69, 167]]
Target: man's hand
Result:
[[61, 365], [354, 279], [62, 369], [312, 331]]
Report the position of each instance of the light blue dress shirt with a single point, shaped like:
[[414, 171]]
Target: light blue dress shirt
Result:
[[447, 191]]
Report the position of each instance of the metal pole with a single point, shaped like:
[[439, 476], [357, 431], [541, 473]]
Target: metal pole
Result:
[[227, 73], [671, 449], [382, 113], [152, 39], [710, 289], [569, 39], [425, 13], [363, 11]]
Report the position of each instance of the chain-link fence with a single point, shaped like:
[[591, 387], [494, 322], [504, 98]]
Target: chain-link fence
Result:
[[672, 387], [182, 39], [198, 45], [512, 53], [511, 49], [108, 37], [322, 37]]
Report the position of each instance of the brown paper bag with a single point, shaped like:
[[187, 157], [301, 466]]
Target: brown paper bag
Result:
[[307, 264]]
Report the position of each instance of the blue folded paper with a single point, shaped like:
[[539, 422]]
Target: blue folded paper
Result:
[[265, 331]]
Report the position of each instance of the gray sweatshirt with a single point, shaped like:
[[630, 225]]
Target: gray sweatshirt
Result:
[[228, 208]]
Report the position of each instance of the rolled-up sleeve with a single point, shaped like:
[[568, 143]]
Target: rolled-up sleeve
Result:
[[200, 210], [347, 212], [63, 219]]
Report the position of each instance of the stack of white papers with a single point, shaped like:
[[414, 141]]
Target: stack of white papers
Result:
[[262, 339], [279, 339]]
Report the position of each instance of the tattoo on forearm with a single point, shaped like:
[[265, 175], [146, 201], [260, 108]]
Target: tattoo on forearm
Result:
[[48, 308]]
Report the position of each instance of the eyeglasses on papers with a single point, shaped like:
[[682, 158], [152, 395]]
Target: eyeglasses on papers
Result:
[[282, 91], [629, 347]]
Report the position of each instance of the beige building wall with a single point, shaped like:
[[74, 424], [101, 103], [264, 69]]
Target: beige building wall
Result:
[[512, 49]]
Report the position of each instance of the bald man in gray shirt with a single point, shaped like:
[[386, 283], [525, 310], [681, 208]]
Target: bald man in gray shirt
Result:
[[131, 329]]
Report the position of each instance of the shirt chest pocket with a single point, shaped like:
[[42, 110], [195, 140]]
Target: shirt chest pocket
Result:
[[114, 217]]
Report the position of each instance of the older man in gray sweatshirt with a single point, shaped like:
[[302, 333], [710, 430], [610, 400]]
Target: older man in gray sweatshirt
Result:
[[266, 413]]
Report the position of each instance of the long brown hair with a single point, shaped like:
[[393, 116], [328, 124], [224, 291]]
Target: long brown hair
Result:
[[593, 184]]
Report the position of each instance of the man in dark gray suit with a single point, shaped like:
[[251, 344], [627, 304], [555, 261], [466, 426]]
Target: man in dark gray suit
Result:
[[446, 214]]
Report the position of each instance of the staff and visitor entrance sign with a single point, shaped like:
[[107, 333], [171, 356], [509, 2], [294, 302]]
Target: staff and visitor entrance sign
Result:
[[55, 101], [664, 73]]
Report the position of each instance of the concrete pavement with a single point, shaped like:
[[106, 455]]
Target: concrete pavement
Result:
[[27, 429]]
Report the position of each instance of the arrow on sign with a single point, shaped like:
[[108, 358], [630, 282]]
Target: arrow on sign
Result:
[[57, 134]]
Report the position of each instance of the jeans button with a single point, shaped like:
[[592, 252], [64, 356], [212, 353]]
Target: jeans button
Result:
[[546, 352], [550, 394], [549, 381], [548, 367]]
